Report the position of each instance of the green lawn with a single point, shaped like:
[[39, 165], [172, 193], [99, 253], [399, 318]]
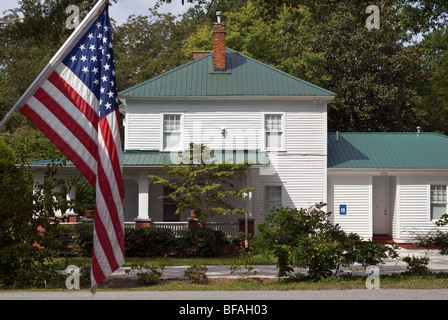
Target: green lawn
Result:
[[258, 260], [433, 281]]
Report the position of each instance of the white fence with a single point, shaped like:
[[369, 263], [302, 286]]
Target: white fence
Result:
[[176, 227], [228, 228]]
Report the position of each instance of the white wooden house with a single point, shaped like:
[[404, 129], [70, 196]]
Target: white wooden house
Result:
[[388, 184]]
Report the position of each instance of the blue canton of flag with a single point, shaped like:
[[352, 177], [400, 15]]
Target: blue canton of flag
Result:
[[92, 60]]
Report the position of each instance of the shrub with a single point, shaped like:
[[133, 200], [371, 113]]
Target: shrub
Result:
[[416, 265], [201, 242], [307, 239], [146, 277], [196, 273], [436, 239], [148, 242], [243, 264]]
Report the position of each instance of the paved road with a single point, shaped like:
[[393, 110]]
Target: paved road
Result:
[[358, 294]]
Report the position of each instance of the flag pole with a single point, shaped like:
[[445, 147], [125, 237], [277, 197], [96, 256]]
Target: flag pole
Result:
[[74, 37]]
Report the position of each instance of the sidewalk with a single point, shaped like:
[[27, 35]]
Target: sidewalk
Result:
[[437, 263]]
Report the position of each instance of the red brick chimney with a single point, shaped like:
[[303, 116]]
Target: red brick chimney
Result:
[[219, 43]]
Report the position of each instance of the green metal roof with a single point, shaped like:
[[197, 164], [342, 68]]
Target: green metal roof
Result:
[[133, 158], [388, 150], [244, 76]]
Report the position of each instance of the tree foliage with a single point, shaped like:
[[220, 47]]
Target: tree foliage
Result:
[[148, 45], [27, 245]]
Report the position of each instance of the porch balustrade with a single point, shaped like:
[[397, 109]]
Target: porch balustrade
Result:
[[228, 228]]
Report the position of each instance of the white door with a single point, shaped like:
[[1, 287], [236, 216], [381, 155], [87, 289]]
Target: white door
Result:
[[380, 205]]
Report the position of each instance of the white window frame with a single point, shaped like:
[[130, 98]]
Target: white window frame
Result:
[[162, 131], [263, 125], [265, 198], [436, 183]]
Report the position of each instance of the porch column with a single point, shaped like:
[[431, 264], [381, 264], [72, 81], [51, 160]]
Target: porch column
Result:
[[143, 219], [70, 214], [247, 225]]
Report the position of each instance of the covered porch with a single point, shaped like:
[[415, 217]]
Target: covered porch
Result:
[[143, 202]]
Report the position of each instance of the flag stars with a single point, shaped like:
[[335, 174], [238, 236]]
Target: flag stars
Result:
[[92, 55]]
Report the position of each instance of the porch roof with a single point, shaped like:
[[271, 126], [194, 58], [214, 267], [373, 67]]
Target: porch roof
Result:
[[136, 158], [387, 150]]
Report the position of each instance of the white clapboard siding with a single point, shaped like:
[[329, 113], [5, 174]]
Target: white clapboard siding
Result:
[[243, 121], [414, 193], [305, 132], [355, 192]]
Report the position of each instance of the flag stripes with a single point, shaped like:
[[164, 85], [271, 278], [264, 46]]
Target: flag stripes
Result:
[[76, 107]]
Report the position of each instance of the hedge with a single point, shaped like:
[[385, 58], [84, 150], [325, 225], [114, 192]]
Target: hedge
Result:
[[77, 240]]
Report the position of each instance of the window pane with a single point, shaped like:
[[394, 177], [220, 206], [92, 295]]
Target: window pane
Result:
[[437, 210], [273, 140], [171, 141], [273, 123], [171, 123], [272, 197], [438, 201]]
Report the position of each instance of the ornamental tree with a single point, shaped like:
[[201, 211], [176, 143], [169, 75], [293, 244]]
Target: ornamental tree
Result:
[[201, 184]]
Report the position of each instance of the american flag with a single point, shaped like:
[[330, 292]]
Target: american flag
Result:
[[76, 107]]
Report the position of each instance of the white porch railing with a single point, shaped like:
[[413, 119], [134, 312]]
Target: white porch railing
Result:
[[229, 228], [175, 227]]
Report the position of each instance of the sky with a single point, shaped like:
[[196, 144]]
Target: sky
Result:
[[124, 8]]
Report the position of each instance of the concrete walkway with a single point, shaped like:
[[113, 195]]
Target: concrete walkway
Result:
[[437, 263]]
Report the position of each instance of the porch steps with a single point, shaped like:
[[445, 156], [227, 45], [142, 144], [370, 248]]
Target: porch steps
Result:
[[385, 239]]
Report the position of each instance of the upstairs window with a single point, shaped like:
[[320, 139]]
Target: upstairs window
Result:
[[438, 201], [273, 124], [172, 132]]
